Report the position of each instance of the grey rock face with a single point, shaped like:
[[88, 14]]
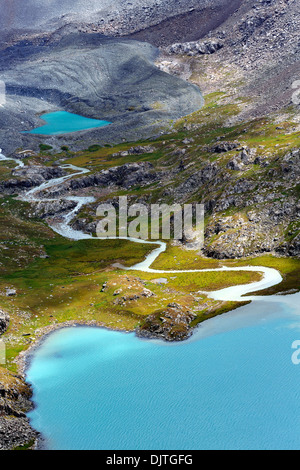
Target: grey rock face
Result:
[[235, 165], [195, 47], [29, 177], [208, 173], [10, 292], [109, 16], [223, 147], [171, 324], [16, 431], [139, 150], [291, 163], [45, 209], [15, 401], [125, 176]]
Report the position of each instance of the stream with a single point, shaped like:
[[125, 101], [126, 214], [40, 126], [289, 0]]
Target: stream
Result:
[[232, 385], [270, 276]]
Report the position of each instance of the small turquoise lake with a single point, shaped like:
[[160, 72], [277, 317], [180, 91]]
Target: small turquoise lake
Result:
[[62, 122], [233, 385]]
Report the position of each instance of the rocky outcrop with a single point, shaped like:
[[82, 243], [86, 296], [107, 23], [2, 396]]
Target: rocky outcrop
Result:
[[263, 230], [15, 402], [46, 209], [235, 165], [290, 165], [15, 430], [194, 182], [30, 177], [83, 225], [139, 150], [291, 248], [171, 324], [221, 147], [195, 48], [124, 176]]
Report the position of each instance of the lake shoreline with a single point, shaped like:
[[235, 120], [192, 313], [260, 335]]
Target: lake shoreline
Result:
[[61, 123], [23, 362], [234, 321], [221, 294], [24, 358]]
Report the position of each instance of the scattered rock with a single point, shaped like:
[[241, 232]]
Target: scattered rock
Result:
[[10, 292], [223, 147], [196, 47], [235, 165], [117, 292], [147, 293], [104, 287]]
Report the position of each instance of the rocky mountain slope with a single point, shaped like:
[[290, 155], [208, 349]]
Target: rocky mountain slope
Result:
[[249, 63], [94, 77], [105, 16], [250, 55]]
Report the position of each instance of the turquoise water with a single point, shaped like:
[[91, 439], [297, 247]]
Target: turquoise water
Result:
[[232, 386], [62, 122]]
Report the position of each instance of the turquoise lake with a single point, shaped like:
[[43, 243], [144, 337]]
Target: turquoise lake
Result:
[[62, 122], [231, 386]]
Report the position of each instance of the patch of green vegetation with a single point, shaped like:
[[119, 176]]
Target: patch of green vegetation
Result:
[[27, 446], [217, 310], [209, 281], [94, 148], [45, 148], [175, 258], [21, 236], [157, 105], [288, 267], [5, 169]]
